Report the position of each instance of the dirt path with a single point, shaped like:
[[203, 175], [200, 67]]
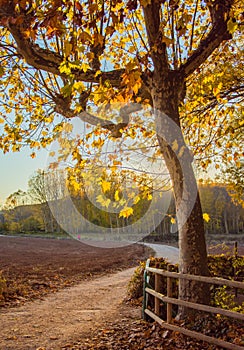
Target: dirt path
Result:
[[65, 316]]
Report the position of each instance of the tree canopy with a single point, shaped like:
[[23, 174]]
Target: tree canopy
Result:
[[66, 53]]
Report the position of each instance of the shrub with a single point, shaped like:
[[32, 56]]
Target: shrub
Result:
[[135, 286], [226, 266]]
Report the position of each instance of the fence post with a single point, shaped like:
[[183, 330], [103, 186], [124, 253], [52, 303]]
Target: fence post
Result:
[[235, 249], [157, 289], [169, 294], [145, 295], [235, 255]]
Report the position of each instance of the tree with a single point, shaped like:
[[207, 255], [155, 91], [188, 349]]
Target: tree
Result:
[[234, 177], [58, 51], [226, 213], [44, 187], [14, 205], [14, 210]]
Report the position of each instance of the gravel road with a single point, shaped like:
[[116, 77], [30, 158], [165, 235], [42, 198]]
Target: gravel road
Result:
[[165, 251]]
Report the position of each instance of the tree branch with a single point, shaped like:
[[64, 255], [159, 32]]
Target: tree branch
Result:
[[50, 61], [116, 129], [220, 15], [154, 34]]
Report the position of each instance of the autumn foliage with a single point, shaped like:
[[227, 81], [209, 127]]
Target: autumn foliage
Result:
[[66, 59]]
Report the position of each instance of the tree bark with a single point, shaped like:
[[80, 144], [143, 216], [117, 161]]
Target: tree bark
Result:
[[178, 159]]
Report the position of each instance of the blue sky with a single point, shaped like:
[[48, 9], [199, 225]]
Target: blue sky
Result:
[[17, 168]]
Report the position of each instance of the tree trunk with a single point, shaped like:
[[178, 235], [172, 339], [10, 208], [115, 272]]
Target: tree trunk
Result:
[[44, 210], [178, 159], [237, 228], [226, 222]]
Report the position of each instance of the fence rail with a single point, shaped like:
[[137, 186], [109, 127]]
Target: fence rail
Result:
[[173, 301]]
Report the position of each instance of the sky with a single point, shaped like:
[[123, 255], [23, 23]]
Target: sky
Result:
[[16, 169]]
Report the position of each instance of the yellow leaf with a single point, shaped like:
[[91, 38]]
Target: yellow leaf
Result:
[[52, 154], [216, 91], [172, 220], [78, 86], [105, 186], [232, 25], [85, 67], [98, 72], [126, 212], [103, 201], [65, 68], [67, 48], [136, 199], [116, 196], [136, 87], [75, 186], [117, 162], [206, 217], [122, 201], [18, 120], [67, 127], [1, 121], [132, 133], [15, 148], [98, 143]]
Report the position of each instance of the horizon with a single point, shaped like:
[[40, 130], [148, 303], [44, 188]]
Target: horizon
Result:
[[16, 170]]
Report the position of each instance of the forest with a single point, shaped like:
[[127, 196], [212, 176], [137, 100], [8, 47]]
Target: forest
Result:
[[29, 212]]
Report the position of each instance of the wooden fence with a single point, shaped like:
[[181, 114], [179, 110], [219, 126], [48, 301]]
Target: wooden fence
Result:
[[173, 301]]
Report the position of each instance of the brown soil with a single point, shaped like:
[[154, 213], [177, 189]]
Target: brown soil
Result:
[[35, 267]]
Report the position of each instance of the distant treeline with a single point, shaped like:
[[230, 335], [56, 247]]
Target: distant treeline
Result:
[[225, 216]]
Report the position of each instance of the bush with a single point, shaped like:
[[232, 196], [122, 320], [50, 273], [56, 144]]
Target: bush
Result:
[[31, 224], [226, 266], [135, 286], [223, 298]]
